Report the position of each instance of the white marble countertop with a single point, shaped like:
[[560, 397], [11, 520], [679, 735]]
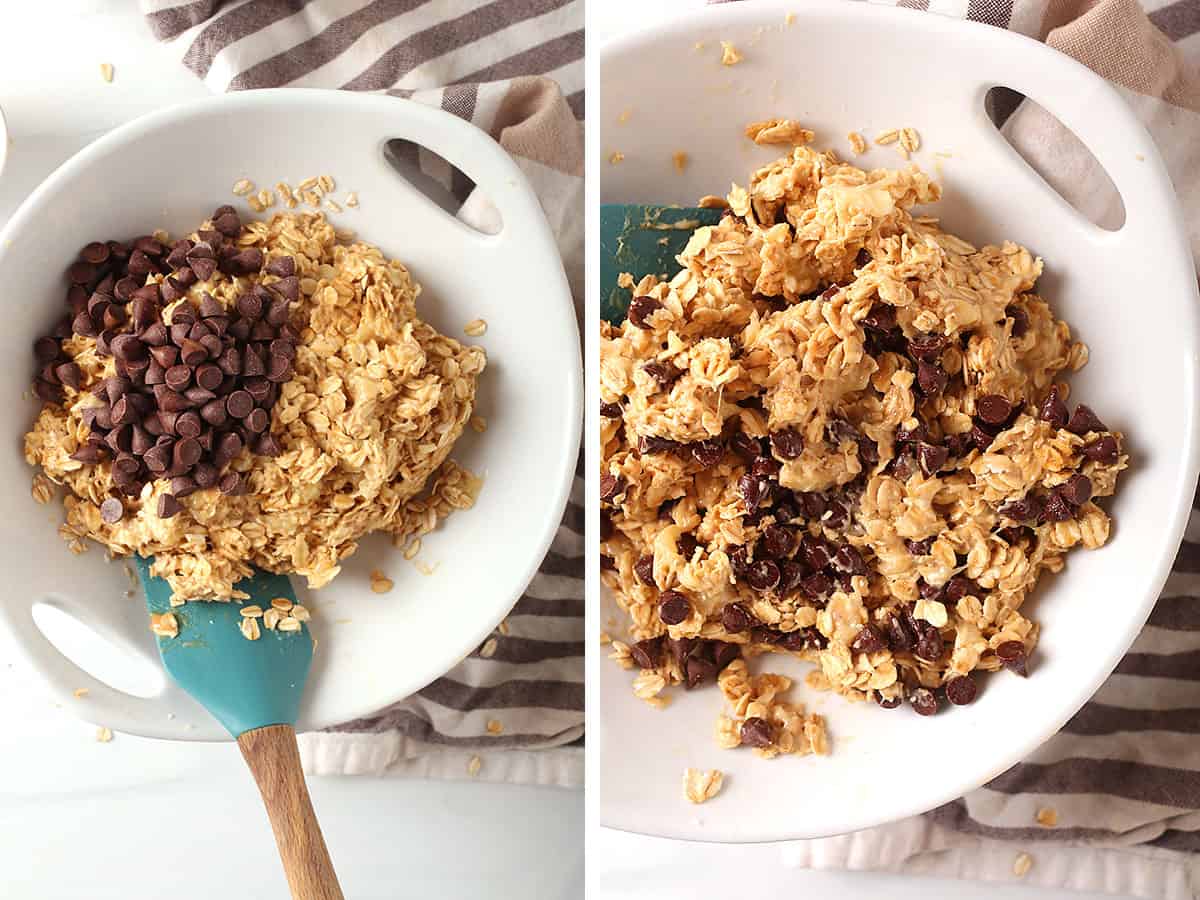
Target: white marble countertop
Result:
[[137, 818]]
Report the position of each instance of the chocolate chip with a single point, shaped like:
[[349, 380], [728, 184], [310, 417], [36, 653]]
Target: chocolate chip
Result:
[[779, 541], [699, 670], [111, 510], [229, 224], [643, 569], [961, 690], [168, 506], [178, 377], [882, 317], [753, 491], [664, 373], [209, 376], [756, 732], [765, 467], [239, 404], [816, 586], [994, 409], [705, 453], [887, 702], [640, 309], [763, 575], [816, 551], [902, 634], [252, 363], [188, 425], [739, 560], [1012, 655], [923, 701], [648, 653], [610, 410], [791, 573], [1103, 450], [981, 437], [281, 266], [279, 368], [920, 548], [81, 272], [735, 618], [931, 457], [1053, 409], [1084, 420], [206, 474], [869, 640], [186, 453], [911, 435], [268, 445], [927, 347], [230, 484], [258, 421], [1077, 490], [228, 446], [249, 306], [724, 653], [1020, 320], [611, 487], [1027, 509], [787, 443], [69, 374], [1057, 509], [673, 607], [849, 560], [745, 446], [929, 641], [89, 454], [289, 289], [931, 378]]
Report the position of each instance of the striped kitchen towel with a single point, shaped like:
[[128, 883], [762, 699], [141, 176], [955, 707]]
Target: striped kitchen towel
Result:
[[515, 69], [1111, 803]]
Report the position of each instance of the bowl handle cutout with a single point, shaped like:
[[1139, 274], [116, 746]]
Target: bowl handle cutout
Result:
[[1093, 110], [441, 159], [146, 701]]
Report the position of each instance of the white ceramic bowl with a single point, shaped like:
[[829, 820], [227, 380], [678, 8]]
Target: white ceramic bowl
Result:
[[169, 170], [1130, 294]]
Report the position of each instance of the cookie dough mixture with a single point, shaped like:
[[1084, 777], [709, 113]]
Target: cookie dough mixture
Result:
[[839, 432], [343, 418]]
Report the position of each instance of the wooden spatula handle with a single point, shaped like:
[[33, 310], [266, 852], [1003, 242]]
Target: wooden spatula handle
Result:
[[274, 760]]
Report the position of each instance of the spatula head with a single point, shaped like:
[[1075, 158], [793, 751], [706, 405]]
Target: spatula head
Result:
[[245, 684], [642, 239]]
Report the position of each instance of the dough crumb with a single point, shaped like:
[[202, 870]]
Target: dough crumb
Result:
[[680, 160], [729, 54]]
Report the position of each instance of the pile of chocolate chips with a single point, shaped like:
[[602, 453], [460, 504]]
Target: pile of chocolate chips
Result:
[[186, 397]]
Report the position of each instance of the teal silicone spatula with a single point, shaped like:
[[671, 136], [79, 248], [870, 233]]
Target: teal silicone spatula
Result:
[[253, 688], [642, 239]]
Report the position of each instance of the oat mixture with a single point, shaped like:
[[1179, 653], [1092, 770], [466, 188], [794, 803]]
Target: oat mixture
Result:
[[360, 425], [839, 433]]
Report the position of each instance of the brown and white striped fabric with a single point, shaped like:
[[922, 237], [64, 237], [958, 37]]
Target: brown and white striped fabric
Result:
[[1123, 776], [515, 69]]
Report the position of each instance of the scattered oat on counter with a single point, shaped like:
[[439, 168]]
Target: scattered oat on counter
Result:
[[243, 187], [380, 583], [253, 611], [288, 623], [475, 328], [711, 201], [104, 735], [249, 628], [699, 45], [680, 160], [352, 199], [474, 766], [494, 726], [301, 613], [779, 131], [164, 625], [605, 638], [615, 157], [80, 693], [729, 54], [478, 424], [890, 136], [106, 72], [702, 785], [412, 549], [488, 650], [1022, 864], [283, 604], [1047, 817], [910, 140], [858, 143]]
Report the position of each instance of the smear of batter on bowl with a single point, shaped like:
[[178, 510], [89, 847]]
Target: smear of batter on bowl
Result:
[[258, 393], [840, 433]]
